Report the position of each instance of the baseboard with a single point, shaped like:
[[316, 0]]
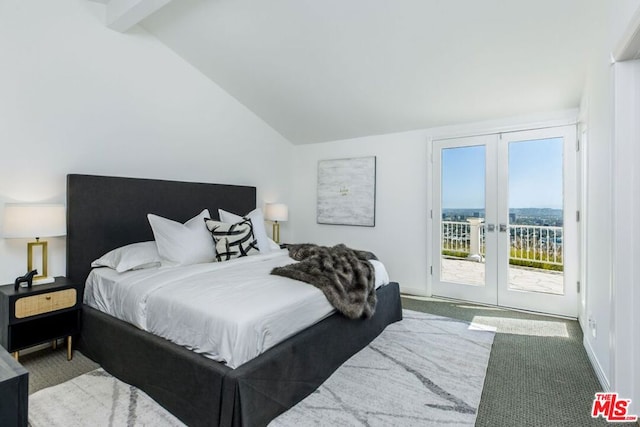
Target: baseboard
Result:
[[582, 323], [421, 298], [602, 378], [413, 291]]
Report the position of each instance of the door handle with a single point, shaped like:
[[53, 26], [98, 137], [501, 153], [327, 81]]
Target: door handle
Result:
[[503, 228], [491, 228]]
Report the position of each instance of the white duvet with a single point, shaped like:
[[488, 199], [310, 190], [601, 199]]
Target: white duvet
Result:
[[229, 311]]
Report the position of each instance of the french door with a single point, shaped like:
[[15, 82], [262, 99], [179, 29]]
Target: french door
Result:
[[504, 218]]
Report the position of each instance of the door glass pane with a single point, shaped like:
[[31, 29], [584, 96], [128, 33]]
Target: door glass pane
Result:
[[536, 216], [463, 207]]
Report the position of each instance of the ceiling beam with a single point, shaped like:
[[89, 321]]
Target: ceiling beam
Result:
[[123, 14], [628, 47]]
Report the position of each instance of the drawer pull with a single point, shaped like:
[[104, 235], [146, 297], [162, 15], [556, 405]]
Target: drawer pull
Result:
[[47, 298]]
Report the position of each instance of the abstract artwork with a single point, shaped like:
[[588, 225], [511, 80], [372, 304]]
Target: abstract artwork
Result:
[[347, 191]]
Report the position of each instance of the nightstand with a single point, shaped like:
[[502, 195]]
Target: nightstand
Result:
[[42, 313]]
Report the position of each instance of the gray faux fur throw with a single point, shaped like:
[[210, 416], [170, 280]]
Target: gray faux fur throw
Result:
[[344, 275]]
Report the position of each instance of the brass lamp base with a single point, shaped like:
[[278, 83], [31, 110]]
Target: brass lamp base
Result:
[[276, 232], [30, 247]]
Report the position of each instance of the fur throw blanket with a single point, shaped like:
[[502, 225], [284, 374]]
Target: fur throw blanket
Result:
[[344, 275]]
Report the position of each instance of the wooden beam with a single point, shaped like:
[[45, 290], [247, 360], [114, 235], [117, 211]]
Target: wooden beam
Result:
[[628, 46], [123, 14]]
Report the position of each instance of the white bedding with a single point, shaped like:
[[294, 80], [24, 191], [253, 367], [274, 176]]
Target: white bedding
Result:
[[229, 311]]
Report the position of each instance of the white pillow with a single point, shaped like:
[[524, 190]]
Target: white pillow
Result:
[[257, 222], [233, 240], [135, 256], [183, 244]]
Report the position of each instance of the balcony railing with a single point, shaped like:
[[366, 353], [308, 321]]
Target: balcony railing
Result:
[[456, 237], [536, 242], [529, 244]]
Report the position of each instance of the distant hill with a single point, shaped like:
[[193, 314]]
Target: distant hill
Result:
[[541, 212], [530, 216], [537, 212]]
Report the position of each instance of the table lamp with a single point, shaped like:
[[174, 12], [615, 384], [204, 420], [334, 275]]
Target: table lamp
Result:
[[276, 212], [34, 221]]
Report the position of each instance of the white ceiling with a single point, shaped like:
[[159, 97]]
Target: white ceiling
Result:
[[323, 70]]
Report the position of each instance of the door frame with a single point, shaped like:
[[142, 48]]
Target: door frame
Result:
[[566, 304], [532, 122], [486, 293]]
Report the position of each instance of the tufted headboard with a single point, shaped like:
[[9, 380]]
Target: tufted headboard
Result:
[[105, 212]]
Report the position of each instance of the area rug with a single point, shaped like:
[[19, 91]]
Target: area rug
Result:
[[96, 399], [424, 370]]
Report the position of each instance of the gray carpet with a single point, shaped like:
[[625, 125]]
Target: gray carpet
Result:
[[50, 367], [538, 374], [407, 376]]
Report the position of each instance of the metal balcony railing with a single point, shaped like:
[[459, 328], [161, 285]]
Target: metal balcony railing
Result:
[[534, 243]]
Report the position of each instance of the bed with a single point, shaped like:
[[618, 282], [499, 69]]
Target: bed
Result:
[[108, 212]]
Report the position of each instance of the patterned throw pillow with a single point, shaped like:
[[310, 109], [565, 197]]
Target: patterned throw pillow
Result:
[[232, 240]]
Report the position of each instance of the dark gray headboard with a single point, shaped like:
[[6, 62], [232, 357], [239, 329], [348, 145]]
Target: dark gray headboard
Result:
[[104, 212]]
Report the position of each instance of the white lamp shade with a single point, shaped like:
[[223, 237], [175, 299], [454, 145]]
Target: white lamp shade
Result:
[[276, 212], [30, 221]]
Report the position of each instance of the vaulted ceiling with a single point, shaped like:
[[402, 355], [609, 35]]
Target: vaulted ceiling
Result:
[[335, 69]]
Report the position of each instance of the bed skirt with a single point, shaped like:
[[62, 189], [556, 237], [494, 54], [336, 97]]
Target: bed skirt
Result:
[[202, 392]]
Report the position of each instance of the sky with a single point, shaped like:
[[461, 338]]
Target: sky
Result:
[[535, 175]]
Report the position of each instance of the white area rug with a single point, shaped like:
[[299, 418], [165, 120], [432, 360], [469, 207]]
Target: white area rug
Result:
[[96, 399], [425, 370]]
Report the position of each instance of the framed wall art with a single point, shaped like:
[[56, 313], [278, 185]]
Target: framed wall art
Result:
[[347, 191]]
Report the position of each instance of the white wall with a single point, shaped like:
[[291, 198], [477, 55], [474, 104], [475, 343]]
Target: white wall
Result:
[[597, 115], [77, 97], [625, 375], [400, 237], [625, 325]]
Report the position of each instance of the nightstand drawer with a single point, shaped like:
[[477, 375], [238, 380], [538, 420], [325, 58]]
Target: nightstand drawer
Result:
[[45, 303]]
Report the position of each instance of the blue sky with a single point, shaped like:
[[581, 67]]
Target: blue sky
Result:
[[535, 175], [463, 171]]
